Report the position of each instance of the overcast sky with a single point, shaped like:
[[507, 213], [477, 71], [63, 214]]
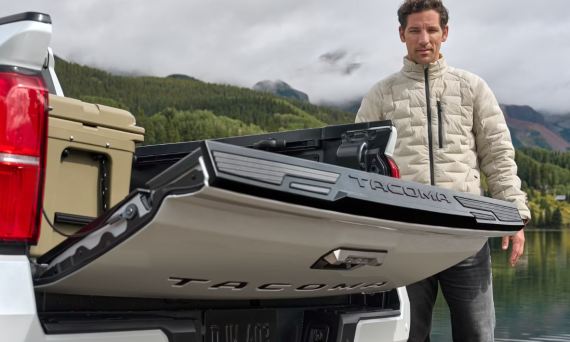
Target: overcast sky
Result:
[[334, 50]]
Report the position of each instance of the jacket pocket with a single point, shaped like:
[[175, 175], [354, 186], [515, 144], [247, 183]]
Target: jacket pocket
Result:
[[440, 124]]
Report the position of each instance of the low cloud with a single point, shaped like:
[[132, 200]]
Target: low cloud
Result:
[[330, 49]]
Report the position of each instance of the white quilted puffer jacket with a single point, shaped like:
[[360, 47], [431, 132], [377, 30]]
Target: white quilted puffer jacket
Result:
[[446, 125]]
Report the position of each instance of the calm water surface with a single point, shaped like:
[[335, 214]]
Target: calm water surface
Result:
[[532, 299]]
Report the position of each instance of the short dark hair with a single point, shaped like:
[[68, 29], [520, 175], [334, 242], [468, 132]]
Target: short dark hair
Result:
[[416, 6]]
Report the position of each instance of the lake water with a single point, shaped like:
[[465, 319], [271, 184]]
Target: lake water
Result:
[[532, 299]]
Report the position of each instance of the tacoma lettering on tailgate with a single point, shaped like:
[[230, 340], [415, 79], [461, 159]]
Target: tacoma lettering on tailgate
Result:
[[400, 190], [274, 287]]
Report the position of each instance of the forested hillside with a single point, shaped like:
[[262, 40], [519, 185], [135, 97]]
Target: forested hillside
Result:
[[545, 174], [251, 111]]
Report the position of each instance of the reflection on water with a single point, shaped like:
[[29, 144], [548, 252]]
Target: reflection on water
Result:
[[532, 299]]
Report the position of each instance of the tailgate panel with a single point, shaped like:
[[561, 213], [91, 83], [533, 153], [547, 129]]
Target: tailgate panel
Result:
[[207, 235], [216, 244]]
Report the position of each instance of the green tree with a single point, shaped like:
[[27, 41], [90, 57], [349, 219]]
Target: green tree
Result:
[[544, 203], [533, 218], [548, 217], [524, 186], [530, 194], [556, 219], [140, 117], [540, 221]]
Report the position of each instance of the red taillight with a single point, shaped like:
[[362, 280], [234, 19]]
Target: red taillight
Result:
[[23, 140], [394, 168]]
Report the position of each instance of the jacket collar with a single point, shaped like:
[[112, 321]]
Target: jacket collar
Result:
[[416, 71]]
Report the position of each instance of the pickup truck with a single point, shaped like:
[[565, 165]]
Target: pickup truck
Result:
[[299, 236]]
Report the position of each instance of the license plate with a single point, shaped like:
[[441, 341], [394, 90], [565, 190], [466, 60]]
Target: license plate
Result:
[[255, 325], [287, 325]]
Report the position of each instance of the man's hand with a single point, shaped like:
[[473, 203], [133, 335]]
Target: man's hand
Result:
[[518, 246]]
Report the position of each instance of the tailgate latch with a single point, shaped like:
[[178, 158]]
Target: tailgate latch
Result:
[[348, 260]]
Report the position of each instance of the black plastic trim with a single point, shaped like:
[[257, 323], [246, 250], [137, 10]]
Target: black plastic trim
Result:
[[52, 303], [13, 248], [175, 326], [76, 220], [26, 16], [20, 70], [95, 225], [502, 212]]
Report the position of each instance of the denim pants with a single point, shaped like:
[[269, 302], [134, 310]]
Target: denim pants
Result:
[[467, 289]]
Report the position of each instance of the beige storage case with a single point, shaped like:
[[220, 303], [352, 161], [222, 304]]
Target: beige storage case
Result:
[[79, 135]]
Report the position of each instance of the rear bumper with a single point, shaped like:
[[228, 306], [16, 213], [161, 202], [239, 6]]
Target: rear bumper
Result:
[[395, 329], [20, 322]]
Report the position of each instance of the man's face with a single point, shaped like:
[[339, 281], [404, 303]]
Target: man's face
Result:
[[423, 36]]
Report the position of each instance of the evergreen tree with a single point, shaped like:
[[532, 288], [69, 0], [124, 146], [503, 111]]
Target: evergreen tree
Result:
[[557, 219], [530, 194], [548, 217], [540, 221], [524, 186], [533, 218], [140, 117], [536, 178]]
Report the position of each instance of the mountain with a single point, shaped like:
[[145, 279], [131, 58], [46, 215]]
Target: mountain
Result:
[[559, 123], [529, 128], [280, 88], [169, 108], [182, 77], [523, 113], [351, 106]]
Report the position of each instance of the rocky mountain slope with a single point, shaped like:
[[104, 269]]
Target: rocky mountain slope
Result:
[[529, 128], [280, 88]]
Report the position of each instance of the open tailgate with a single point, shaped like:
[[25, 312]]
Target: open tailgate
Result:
[[228, 222]]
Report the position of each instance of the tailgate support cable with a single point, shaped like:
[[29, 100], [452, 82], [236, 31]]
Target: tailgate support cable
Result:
[[62, 233], [129, 213]]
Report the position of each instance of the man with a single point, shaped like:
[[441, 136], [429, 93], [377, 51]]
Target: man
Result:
[[450, 128]]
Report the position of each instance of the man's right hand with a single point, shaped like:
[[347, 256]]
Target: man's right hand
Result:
[[518, 246]]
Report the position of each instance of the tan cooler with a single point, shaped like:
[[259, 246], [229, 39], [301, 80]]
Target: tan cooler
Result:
[[90, 154]]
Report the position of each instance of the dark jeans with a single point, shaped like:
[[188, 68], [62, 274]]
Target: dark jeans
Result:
[[467, 288]]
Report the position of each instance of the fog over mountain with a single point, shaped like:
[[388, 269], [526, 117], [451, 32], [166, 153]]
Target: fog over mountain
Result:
[[333, 50]]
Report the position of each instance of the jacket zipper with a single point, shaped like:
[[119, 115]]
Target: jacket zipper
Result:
[[429, 128], [440, 124]]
